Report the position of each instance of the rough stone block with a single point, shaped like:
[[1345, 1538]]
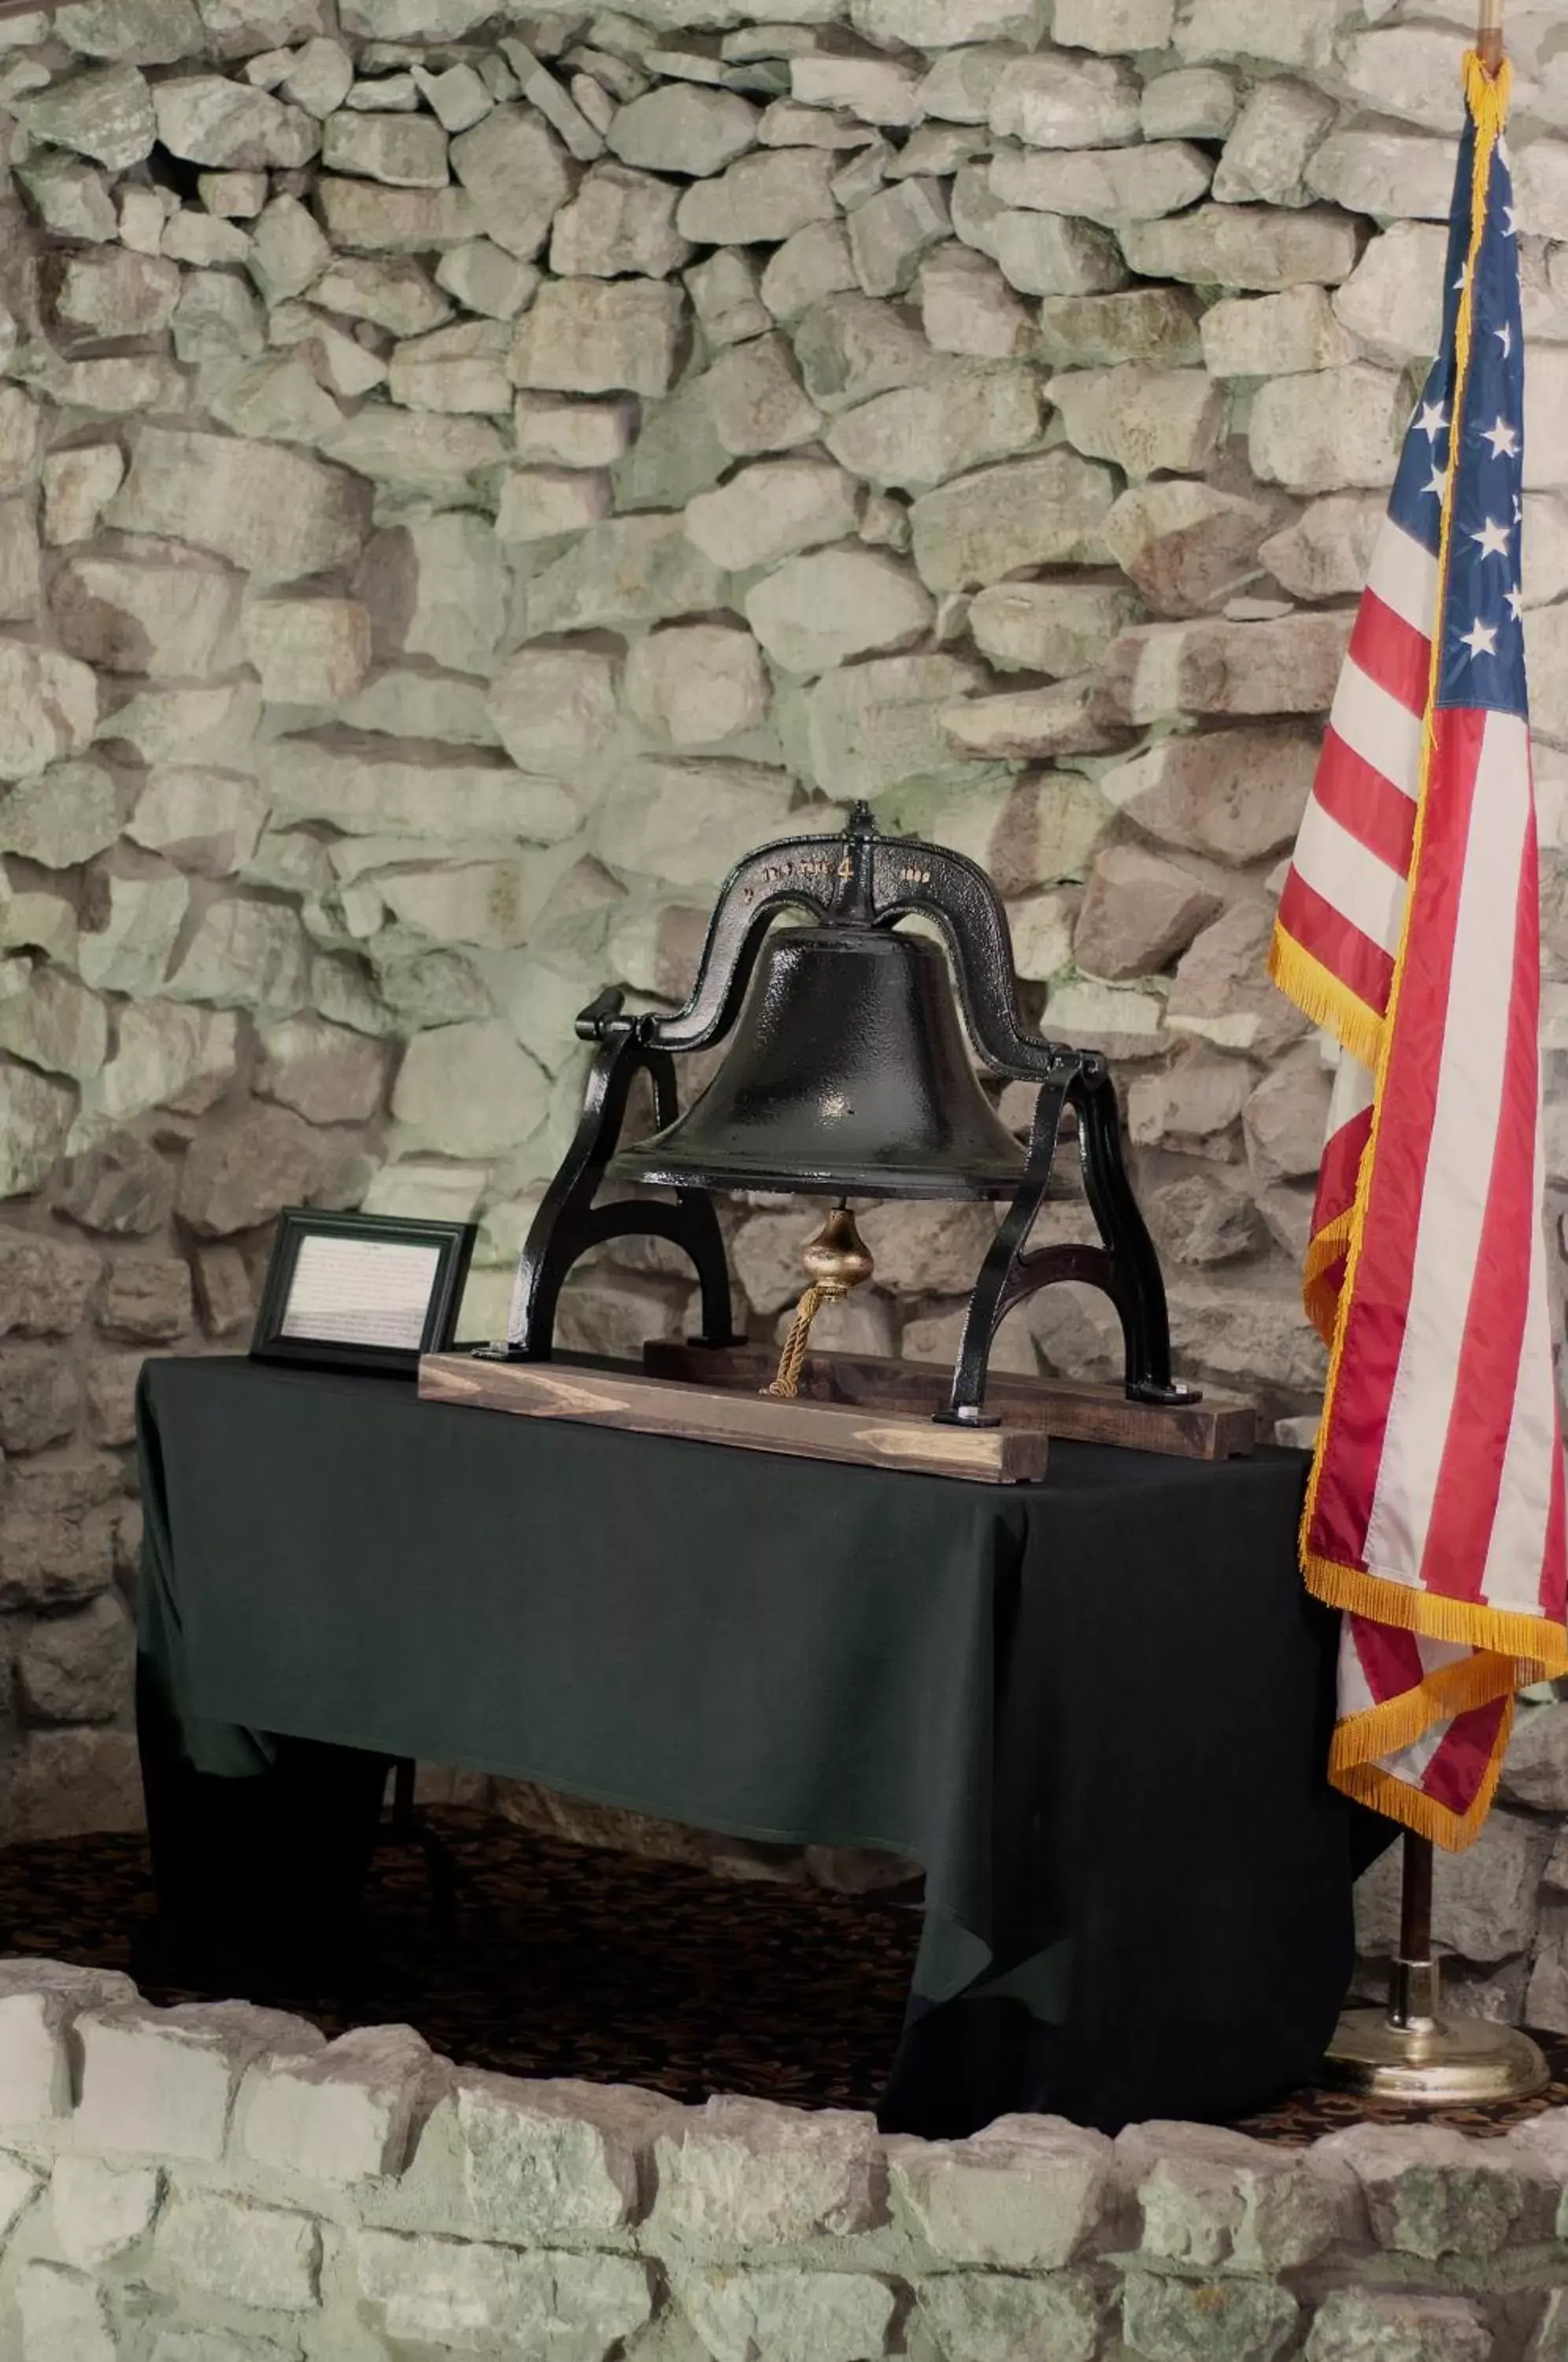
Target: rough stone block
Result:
[[455, 371], [67, 1782], [556, 2159], [682, 127], [40, 2001], [245, 2253], [756, 401], [161, 2082], [1287, 1118], [790, 2316], [44, 1283], [99, 2211], [1032, 724], [1377, 2325], [1329, 429], [819, 608], [591, 336], [1186, 546], [1055, 628], [64, 2317], [697, 684], [77, 1668], [997, 2317], [1139, 912], [967, 306], [1222, 993], [1535, 1772], [771, 511], [1167, 2319], [1430, 2192], [275, 513], [748, 2173], [871, 726], [48, 707], [1212, 666], [1210, 2197], [345, 2113], [1023, 2195], [1267, 336], [760, 200], [105, 112], [1025, 512], [562, 2308], [1247, 246], [1109, 186], [1063, 102], [1266, 153], [620, 220], [636, 569], [918, 436], [371, 218]]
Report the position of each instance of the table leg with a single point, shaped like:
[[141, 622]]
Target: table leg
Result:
[[263, 1872]]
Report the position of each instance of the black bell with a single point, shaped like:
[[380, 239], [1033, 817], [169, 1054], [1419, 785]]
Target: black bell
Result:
[[846, 1074]]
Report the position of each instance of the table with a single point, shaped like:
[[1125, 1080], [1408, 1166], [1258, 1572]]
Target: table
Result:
[[1096, 1710]]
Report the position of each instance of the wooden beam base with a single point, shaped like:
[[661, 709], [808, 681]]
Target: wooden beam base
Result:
[[1219, 1426], [868, 1435]]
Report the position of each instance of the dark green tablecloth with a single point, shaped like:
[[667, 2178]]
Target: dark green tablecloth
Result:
[[1096, 1710]]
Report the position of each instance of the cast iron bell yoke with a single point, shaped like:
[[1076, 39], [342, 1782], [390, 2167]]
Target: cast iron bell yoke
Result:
[[848, 1076]]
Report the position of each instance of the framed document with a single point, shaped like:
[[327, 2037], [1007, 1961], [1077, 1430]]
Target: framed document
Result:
[[360, 1291]]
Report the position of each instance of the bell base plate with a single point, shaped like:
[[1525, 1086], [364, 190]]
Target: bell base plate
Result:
[[1454, 2063], [1211, 1427]]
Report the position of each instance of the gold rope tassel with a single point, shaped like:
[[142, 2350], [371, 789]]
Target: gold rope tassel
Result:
[[836, 1260], [791, 1360]]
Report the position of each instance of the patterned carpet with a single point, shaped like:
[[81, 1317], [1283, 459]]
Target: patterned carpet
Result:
[[562, 1960]]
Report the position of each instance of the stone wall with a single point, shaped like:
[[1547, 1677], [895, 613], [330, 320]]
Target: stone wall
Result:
[[467, 474], [213, 2183]]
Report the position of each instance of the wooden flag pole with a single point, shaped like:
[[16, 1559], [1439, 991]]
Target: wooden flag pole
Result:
[[1489, 35]]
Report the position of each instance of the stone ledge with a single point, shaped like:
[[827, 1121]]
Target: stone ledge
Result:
[[215, 2182]]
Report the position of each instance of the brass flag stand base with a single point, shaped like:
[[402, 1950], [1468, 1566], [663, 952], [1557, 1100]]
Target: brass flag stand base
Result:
[[1409, 2052]]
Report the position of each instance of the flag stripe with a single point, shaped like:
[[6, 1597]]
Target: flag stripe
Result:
[[1404, 576], [1365, 892], [1365, 804], [1364, 968], [1443, 1089], [1383, 732], [1395, 654], [1526, 1537], [1375, 1326], [1490, 1381]]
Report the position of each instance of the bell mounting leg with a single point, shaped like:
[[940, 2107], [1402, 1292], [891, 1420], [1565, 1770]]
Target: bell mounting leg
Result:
[[1124, 1267], [568, 1223]]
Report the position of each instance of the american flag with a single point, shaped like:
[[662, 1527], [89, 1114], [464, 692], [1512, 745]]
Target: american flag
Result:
[[1409, 928]]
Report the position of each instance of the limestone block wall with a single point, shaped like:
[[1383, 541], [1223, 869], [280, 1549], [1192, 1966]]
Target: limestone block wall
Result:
[[214, 2184], [469, 472]]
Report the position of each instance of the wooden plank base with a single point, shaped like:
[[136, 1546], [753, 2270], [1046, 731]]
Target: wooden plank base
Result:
[[1219, 1427], [869, 1435]]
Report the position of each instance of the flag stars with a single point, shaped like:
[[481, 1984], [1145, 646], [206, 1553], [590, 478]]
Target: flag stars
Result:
[[1516, 603], [1503, 439], [1493, 539], [1437, 482], [1433, 421], [1481, 639], [1504, 335]]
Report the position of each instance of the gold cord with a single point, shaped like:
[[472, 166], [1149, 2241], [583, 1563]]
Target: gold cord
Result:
[[791, 1360]]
